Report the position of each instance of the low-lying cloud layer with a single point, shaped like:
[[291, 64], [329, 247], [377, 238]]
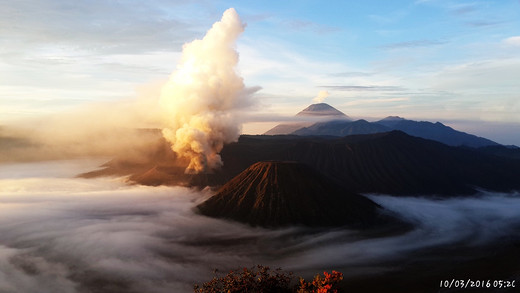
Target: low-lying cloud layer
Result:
[[61, 234]]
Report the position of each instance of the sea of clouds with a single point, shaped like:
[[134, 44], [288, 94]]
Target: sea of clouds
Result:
[[64, 234]]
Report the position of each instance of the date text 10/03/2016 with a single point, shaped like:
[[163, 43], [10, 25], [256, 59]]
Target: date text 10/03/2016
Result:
[[469, 283]]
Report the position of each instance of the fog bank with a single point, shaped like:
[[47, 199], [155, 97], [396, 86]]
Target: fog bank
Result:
[[63, 234]]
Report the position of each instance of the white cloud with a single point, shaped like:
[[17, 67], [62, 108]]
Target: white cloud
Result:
[[72, 53], [95, 26], [513, 41], [384, 101], [496, 76]]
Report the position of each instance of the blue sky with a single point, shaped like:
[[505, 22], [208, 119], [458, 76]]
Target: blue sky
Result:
[[457, 62]]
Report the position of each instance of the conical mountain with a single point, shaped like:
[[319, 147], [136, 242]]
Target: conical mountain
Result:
[[322, 109], [274, 193], [311, 114]]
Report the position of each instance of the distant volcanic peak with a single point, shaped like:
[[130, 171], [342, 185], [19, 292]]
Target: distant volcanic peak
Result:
[[321, 109], [281, 193], [311, 114]]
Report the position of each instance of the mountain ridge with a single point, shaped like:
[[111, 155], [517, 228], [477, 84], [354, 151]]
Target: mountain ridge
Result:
[[341, 127], [390, 163], [436, 131]]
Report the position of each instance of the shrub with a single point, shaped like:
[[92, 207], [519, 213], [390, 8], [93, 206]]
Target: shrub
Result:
[[261, 279], [325, 284]]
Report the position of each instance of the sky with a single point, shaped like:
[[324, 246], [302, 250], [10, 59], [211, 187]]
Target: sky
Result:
[[457, 62]]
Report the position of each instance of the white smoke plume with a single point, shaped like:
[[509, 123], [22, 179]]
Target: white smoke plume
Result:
[[202, 96], [322, 95]]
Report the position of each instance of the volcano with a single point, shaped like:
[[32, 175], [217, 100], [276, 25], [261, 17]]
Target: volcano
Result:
[[282, 193], [322, 109], [320, 112]]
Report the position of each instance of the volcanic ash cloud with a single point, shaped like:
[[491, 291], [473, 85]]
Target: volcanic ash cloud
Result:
[[201, 99]]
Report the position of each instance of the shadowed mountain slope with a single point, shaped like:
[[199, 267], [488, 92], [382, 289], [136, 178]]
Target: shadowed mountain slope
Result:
[[512, 152], [341, 128], [391, 163], [274, 194]]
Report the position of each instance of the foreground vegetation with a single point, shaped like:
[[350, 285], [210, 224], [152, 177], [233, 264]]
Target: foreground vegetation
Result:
[[262, 279]]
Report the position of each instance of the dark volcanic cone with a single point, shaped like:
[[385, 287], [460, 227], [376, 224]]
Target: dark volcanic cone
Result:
[[277, 194]]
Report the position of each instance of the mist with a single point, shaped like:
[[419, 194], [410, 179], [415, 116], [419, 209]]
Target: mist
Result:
[[102, 129], [64, 234]]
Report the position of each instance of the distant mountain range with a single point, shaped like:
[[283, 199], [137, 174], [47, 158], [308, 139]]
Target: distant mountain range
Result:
[[331, 126], [435, 131]]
